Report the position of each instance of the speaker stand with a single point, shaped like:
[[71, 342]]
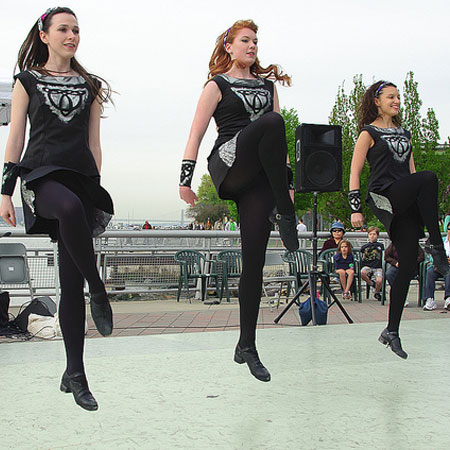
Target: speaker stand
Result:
[[313, 276]]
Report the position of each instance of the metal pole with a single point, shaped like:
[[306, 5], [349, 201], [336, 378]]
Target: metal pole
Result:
[[313, 278]]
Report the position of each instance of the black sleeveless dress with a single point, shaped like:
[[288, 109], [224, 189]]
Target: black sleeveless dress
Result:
[[243, 101], [58, 148], [388, 159]]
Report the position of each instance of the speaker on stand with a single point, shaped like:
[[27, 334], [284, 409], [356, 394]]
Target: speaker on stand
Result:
[[318, 168]]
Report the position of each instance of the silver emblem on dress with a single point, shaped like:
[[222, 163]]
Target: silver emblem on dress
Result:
[[227, 151], [397, 142], [256, 100], [64, 95]]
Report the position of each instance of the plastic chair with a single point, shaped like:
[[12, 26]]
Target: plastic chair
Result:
[[299, 265], [192, 267], [14, 269], [231, 261]]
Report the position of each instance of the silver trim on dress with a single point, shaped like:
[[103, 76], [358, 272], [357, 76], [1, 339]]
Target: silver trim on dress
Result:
[[227, 151], [28, 196], [381, 202]]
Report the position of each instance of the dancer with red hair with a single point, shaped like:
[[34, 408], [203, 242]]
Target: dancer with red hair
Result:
[[247, 164]]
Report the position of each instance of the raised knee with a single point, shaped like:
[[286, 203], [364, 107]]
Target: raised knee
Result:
[[273, 119], [71, 208], [429, 176]]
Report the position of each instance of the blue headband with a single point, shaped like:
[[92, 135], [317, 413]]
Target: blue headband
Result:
[[382, 85], [225, 37]]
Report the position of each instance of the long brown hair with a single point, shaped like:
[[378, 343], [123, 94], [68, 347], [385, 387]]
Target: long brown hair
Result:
[[221, 61], [368, 111], [33, 55]]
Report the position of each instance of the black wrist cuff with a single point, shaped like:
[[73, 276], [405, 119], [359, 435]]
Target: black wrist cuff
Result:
[[9, 178], [290, 177], [187, 172], [354, 200]]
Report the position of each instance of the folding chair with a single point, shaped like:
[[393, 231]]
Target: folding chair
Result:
[[14, 269]]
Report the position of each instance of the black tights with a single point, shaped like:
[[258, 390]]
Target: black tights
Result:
[[76, 263], [257, 181], [261, 147], [419, 189]]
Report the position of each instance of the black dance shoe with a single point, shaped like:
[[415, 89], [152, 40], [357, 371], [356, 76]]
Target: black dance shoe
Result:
[[101, 313], [287, 225], [440, 260], [250, 356], [391, 339], [78, 385]]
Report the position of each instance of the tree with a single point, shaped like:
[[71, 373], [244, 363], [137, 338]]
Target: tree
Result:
[[424, 139], [210, 205], [344, 113]]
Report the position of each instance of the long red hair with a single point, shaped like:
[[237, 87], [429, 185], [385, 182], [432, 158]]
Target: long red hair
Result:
[[221, 61]]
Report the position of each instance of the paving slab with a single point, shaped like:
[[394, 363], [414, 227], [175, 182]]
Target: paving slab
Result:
[[333, 387]]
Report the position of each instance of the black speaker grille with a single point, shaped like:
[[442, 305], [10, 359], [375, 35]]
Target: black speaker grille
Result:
[[321, 169]]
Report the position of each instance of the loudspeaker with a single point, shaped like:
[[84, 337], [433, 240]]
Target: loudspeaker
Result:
[[318, 158]]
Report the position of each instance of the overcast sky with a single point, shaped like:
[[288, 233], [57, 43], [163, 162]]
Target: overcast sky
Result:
[[156, 54]]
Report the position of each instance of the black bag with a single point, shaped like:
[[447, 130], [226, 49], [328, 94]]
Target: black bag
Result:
[[43, 306]]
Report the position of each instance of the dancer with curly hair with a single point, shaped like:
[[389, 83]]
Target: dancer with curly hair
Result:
[[403, 200]]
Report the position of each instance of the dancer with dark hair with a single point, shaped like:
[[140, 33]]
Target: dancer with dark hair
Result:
[[403, 200], [247, 164], [60, 175]]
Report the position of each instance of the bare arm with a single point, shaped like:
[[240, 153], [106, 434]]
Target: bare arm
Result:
[[362, 146], [94, 132], [15, 143], [16, 138], [206, 106], [412, 166]]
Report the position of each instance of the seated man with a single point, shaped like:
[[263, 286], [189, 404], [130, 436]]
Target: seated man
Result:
[[391, 257], [433, 275], [371, 254]]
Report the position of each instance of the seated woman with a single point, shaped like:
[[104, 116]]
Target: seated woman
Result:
[[337, 231], [344, 265]]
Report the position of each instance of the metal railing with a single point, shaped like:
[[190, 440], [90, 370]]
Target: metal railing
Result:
[[143, 261]]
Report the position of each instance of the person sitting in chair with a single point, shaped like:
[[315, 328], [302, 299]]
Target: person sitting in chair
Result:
[[433, 275], [337, 231]]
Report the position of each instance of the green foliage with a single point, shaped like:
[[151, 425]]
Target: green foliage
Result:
[[210, 205], [345, 114], [424, 138]]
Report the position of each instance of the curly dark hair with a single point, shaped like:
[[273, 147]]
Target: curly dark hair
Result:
[[368, 111]]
